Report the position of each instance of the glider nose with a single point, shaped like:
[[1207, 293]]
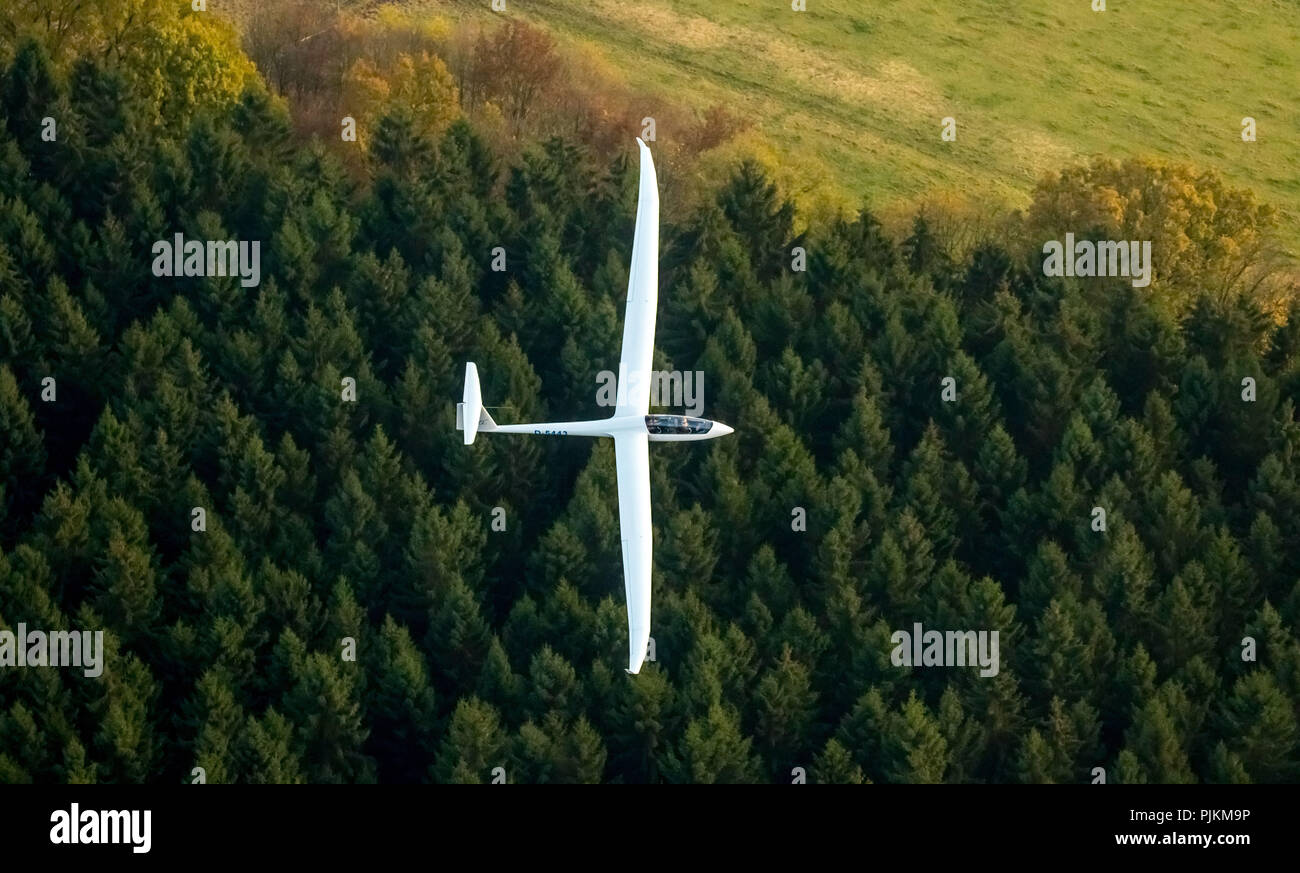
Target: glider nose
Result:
[[722, 429]]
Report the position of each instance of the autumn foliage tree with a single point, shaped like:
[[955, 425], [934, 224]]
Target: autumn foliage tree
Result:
[[1207, 237]]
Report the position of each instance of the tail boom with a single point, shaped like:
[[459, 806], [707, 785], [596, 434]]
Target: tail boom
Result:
[[473, 419]]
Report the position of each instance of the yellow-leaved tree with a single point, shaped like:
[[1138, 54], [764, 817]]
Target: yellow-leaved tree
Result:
[[184, 60], [422, 85], [1206, 237], [190, 61]]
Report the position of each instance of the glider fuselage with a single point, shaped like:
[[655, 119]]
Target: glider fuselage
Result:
[[657, 428]]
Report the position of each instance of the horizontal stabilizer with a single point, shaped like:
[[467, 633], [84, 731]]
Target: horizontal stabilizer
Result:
[[471, 417], [485, 421]]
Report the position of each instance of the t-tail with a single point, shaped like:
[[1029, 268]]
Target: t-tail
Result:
[[471, 417]]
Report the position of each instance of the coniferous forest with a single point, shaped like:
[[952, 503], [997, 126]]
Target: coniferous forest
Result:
[[311, 419]]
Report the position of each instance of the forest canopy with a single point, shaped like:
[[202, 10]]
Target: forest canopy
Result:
[[328, 519]]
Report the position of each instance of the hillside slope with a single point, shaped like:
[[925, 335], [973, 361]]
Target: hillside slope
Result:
[[854, 93]]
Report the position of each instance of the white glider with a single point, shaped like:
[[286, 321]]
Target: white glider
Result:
[[631, 427]]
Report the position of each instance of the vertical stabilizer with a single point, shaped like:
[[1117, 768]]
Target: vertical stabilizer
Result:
[[472, 408]]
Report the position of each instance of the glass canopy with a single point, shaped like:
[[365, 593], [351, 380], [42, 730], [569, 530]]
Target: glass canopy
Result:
[[676, 424]]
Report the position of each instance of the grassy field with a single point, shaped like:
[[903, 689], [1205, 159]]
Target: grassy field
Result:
[[853, 92]]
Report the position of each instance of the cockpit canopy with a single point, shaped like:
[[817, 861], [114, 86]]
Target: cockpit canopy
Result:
[[676, 424]]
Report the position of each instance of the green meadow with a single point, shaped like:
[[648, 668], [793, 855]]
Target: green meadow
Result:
[[853, 92]]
